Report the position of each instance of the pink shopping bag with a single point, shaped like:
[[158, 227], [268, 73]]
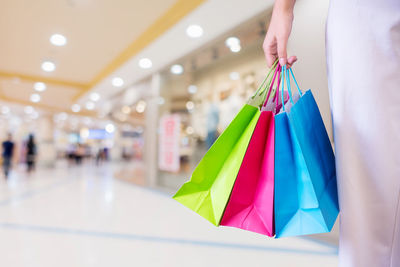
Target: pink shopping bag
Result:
[[251, 204]]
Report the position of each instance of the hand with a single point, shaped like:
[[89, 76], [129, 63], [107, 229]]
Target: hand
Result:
[[279, 29]]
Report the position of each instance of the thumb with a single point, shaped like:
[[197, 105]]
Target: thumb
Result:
[[282, 53]]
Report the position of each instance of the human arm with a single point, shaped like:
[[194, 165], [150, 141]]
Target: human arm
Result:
[[280, 27]]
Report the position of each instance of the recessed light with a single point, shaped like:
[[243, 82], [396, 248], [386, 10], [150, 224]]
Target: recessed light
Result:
[[141, 106], [5, 110], [192, 89], [110, 128], [235, 48], [75, 108], [39, 86], [58, 39], [29, 109], [234, 76], [176, 69], [94, 97], [232, 41], [48, 66], [126, 109], [189, 105], [145, 63], [117, 82], [84, 133], [35, 98], [194, 31], [90, 105]]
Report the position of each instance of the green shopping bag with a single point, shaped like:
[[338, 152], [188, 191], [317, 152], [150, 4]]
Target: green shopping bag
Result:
[[211, 183], [208, 190]]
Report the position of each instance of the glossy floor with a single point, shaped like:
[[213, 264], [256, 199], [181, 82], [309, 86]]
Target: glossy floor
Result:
[[82, 216]]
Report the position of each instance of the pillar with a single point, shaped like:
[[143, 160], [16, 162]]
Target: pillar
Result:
[[150, 132], [45, 142]]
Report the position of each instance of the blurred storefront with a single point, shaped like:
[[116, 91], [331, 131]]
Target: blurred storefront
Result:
[[160, 122]]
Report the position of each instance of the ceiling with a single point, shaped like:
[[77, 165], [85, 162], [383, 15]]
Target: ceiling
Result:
[[105, 39], [100, 36]]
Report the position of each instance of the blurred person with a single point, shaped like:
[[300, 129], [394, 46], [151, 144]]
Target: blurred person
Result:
[[31, 153], [8, 152], [106, 152], [79, 154], [100, 156], [70, 153], [363, 58]]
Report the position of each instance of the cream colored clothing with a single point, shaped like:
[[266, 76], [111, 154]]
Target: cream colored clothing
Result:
[[363, 53]]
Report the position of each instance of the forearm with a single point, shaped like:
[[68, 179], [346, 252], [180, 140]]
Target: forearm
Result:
[[285, 6]]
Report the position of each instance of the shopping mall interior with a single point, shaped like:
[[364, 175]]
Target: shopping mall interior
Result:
[[112, 104]]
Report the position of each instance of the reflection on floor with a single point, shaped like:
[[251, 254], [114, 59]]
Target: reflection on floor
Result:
[[81, 216]]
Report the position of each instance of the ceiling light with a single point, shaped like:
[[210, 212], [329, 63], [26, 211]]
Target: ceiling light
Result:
[[90, 105], [117, 82], [189, 105], [84, 133], [232, 41], [194, 31], [5, 110], [234, 76], [39, 86], [35, 98], [126, 109], [145, 63], [235, 48], [75, 108], [141, 106], [177, 69], [192, 89], [29, 109], [48, 66], [94, 97], [58, 40], [110, 128]]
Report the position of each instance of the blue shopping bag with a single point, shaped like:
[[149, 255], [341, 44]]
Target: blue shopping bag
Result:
[[305, 198]]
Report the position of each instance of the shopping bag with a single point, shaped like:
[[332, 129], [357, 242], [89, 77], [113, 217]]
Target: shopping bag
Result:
[[305, 178], [209, 189], [250, 206], [211, 183]]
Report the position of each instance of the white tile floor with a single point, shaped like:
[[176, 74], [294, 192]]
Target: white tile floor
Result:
[[83, 217]]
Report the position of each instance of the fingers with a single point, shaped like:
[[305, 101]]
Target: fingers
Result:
[[291, 60], [274, 49], [282, 54], [270, 59], [269, 47]]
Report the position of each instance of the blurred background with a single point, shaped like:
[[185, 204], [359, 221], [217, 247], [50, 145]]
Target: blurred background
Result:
[[106, 107]]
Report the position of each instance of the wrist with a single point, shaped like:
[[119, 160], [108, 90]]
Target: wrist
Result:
[[284, 7]]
